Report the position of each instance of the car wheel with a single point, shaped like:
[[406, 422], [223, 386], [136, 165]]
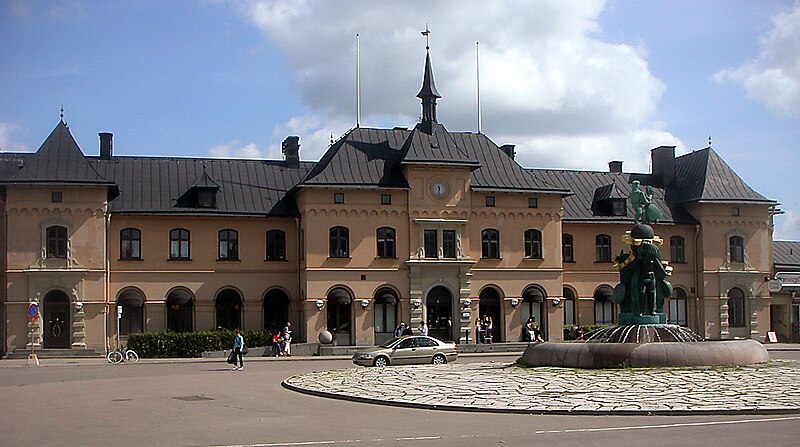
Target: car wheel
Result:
[[439, 359], [380, 361]]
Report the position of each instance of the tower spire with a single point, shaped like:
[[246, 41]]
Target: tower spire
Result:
[[428, 93]]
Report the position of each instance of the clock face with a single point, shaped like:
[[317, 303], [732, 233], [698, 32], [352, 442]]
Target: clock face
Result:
[[439, 189]]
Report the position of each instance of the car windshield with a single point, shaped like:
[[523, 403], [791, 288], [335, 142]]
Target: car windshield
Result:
[[390, 343]]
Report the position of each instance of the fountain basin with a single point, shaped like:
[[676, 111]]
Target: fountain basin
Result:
[[644, 355]]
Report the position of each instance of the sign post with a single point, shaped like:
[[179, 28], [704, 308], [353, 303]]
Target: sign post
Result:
[[33, 313]]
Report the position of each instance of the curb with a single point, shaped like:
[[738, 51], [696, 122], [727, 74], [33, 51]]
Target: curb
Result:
[[468, 409]]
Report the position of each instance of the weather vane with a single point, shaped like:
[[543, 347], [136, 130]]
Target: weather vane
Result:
[[62, 113], [427, 33]]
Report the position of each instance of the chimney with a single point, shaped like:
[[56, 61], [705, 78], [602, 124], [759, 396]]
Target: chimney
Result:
[[662, 159], [106, 145], [615, 167], [291, 151], [508, 149]]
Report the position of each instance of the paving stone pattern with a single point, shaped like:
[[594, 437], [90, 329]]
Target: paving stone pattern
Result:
[[506, 387]]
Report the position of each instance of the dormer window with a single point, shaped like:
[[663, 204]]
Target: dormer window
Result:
[[206, 199], [618, 207], [202, 194]]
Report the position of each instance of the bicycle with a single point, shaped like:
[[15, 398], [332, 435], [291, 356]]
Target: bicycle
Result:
[[124, 354]]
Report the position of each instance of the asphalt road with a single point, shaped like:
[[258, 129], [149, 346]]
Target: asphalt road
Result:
[[207, 404]]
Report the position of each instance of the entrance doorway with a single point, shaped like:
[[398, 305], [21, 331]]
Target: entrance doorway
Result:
[[489, 306], [276, 310], [440, 313], [229, 310], [56, 320], [533, 301], [339, 315]]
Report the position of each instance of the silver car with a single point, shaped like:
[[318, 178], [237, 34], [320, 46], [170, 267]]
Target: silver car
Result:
[[407, 350]]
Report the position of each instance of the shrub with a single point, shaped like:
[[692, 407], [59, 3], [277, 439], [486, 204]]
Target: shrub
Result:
[[191, 344]]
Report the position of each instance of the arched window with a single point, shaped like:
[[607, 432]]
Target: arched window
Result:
[[677, 249], [569, 306], [677, 307], [736, 308], [339, 242], [180, 311], [179, 244], [490, 244], [229, 245], [229, 309], [56, 242], [736, 248], [566, 248], [603, 305], [130, 244], [386, 242], [276, 245], [533, 244], [132, 319], [602, 248]]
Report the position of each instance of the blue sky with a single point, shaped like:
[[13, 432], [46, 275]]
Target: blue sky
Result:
[[574, 84]]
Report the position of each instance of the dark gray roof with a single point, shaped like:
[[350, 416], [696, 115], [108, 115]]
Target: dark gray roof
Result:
[[153, 185], [362, 157], [703, 175], [589, 186], [372, 157], [59, 160], [786, 254], [431, 143]]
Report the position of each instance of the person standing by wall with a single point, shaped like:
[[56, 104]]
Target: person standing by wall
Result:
[[400, 329], [238, 345], [423, 328]]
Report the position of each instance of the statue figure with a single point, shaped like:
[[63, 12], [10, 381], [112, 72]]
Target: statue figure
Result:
[[642, 202], [643, 286], [638, 201]]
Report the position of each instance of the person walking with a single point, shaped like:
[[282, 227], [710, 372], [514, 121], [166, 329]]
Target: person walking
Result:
[[287, 340], [238, 345], [423, 328]]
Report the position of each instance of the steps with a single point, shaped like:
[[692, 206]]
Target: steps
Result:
[[55, 353]]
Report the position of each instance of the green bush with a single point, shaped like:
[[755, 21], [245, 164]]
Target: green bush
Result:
[[569, 330], [191, 344]]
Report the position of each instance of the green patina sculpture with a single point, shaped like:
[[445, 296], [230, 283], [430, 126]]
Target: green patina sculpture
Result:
[[642, 202], [643, 286]]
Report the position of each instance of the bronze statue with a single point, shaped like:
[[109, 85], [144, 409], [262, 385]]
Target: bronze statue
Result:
[[643, 287]]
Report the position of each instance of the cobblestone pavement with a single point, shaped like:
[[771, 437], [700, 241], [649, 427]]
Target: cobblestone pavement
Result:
[[506, 387]]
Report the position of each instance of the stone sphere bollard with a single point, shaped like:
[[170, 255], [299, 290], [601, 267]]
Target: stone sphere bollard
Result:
[[325, 337]]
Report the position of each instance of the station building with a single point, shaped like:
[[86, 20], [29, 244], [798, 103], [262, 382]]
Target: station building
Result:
[[389, 226]]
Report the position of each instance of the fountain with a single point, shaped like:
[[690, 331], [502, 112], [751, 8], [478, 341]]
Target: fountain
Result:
[[643, 337]]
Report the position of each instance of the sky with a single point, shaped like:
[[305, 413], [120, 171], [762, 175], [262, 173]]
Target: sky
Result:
[[574, 84]]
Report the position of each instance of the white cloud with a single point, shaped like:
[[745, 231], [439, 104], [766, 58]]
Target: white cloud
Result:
[[234, 149], [6, 143], [773, 78], [547, 84], [787, 227], [315, 135]]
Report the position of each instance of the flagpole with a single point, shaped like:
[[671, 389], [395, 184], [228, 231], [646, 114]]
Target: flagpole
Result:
[[358, 81], [478, 79]]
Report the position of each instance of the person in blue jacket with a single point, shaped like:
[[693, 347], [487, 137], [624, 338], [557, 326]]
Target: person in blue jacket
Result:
[[238, 345]]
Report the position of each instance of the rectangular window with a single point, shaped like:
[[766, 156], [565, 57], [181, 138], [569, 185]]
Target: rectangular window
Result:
[[735, 211], [618, 208], [569, 311], [449, 243], [338, 198], [490, 201], [431, 244], [386, 199], [56, 196], [533, 202]]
